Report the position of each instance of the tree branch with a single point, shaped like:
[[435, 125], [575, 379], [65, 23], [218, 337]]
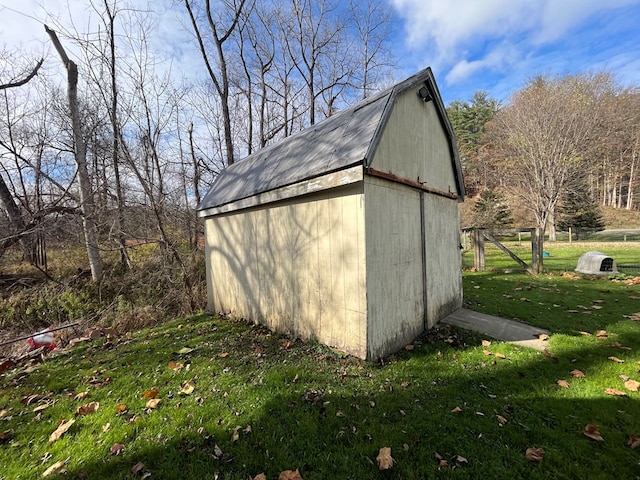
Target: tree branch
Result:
[[25, 79]]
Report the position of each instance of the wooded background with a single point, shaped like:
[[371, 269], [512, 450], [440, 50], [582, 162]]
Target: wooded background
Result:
[[125, 159]]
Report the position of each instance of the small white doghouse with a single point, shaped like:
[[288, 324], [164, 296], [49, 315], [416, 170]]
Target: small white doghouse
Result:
[[596, 263]]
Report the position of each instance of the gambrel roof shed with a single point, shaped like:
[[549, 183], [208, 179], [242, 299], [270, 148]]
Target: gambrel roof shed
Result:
[[347, 232]]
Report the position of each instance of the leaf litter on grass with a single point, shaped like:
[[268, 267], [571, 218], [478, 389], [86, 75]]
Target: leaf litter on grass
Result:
[[454, 357]]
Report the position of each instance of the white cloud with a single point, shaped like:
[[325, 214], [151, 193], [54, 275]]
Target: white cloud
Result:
[[465, 37]]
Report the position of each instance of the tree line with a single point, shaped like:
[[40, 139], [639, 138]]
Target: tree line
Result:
[[558, 148], [125, 147]]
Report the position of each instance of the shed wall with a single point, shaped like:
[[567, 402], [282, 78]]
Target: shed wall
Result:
[[394, 266], [414, 144], [296, 266], [443, 257]]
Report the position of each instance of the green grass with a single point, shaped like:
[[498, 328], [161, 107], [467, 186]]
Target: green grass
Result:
[[299, 405]]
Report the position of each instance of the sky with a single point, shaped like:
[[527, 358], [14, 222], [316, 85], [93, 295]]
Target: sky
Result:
[[498, 45], [490, 45]]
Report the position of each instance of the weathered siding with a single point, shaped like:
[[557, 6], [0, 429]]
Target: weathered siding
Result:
[[297, 266], [443, 257], [394, 266], [414, 144]]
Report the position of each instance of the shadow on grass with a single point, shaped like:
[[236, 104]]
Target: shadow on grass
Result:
[[331, 422]]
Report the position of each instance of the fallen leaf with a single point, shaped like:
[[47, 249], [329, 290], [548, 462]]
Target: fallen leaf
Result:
[[534, 454], [615, 359], [42, 407], [615, 391], [500, 355], [87, 409], [441, 461], [602, 334], [137, 468], [456, 410], [175, 366], [290, 475], [577, 373], [260, 476], [3, 412], [63, 427], [548, 354], [586, 334], [106, 427], [236, 434], [542, 336], [563, 383], [187, 388], [153, 393], [384, 459], [486, 343], [487, 352], [634, 441], [6, 435], [116, 448], [153, 403], [501, 419], [29, 399], [592, 432], [6, 364], [185, 350], [632, 385], [461, 459], [409, 347], [224, 355], [81, 395], [54, 468]]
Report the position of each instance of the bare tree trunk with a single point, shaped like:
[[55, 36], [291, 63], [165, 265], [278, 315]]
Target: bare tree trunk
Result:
[[220, 81], [631, 180], [115, 147], [80, 150]]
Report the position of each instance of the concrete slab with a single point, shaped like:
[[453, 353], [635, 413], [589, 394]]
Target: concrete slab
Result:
[[498, 328]]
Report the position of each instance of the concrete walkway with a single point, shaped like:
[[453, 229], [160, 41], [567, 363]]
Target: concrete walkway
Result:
[[499, 328]]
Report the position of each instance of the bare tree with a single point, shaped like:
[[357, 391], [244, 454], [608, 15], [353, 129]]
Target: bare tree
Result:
[[372, 20], [86, 195], [541, 138], [219, 36], [314, 40]]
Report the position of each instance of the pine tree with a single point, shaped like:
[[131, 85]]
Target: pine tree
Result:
[[579, 211], [491, 210]]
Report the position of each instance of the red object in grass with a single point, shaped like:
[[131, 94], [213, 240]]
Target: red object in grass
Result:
[[42, 339]]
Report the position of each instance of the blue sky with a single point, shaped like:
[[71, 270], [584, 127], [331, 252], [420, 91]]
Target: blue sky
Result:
[[498, 45], [491, 45]]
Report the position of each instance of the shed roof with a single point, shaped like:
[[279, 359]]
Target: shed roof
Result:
[[343, 140]]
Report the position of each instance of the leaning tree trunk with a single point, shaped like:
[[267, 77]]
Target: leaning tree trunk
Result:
[[80, 150]]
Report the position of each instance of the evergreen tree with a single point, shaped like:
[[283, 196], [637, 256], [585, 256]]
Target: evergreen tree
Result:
[[491, 210], [579, 211]]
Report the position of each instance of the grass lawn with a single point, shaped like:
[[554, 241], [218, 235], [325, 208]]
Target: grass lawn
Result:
[[236, 400]]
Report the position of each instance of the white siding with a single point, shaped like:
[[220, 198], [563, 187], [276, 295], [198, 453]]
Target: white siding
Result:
[[414, 144], [296, 266], [443, 257], [394, 266]]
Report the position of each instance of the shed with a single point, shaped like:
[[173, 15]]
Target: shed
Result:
[[596, 263], [347, 232]]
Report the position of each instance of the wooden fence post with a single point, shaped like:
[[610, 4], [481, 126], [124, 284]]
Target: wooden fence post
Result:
[[478, 259], [537, 248]]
